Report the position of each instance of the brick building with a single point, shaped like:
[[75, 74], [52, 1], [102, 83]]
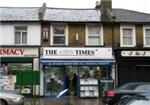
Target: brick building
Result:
[[100, 45]]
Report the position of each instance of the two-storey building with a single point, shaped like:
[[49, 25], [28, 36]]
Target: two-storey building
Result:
[[73, 43], [19, 45], [131, 46], [129, 31]]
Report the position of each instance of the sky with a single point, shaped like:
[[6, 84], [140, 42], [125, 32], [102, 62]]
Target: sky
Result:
[[136, 5]]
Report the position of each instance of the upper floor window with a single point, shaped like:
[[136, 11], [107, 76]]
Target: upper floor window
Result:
[[94, 35], [147, 36], [59, 35], [127, 36], [20, 34]]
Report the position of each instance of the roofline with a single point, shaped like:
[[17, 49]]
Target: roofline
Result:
[[37, 21], [72, 8], [17, 7], [55, 8], [123, 22], [131, 10]]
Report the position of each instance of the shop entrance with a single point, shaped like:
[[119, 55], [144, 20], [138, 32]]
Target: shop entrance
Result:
[[133, 73], [71, 79]]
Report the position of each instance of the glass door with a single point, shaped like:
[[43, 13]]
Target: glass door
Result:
[[53, 81], [71, 73]]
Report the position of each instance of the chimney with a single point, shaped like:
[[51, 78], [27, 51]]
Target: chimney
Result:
[[97, 5], [42, 11], [106, 10], [106, 5]]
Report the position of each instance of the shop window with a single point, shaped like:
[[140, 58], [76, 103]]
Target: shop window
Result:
[[8, 77], [96, 72], [94, 36], [146, 36], [20, 34], [53, 80], [127, 36], [59, 35]]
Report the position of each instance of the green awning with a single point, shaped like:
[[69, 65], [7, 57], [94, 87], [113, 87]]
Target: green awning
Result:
[[16, 59]]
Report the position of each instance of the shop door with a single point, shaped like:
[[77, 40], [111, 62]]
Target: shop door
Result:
[[71, 79], [133, 73], [53, 81]]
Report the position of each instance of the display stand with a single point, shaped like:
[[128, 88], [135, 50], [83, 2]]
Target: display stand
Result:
[[89, 88]]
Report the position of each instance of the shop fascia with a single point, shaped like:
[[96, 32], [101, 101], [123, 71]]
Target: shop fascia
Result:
[[77, 53], [18, 52], [135, 53]]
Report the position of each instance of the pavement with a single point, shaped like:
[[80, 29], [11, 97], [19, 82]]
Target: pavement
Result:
[[63, 101]]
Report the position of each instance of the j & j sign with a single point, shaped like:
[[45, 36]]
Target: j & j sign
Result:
[[135, 53]]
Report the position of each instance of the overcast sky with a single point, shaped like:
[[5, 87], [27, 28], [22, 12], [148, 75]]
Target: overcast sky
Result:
[[137, 5]]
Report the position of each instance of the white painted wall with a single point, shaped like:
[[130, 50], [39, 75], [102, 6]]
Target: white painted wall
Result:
[[7, 33]]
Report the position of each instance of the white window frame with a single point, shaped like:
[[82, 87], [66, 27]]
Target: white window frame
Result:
[[66, 34], [144, 35], [101, 34], [21, 43], [133, 35]]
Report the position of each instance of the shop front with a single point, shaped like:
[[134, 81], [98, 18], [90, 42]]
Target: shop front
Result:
[[68, 68], [133, 65], [13, 59]]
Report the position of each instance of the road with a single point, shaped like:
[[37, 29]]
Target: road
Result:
[[63, 101]]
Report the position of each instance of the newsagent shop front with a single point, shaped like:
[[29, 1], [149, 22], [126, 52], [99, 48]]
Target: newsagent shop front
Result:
[[76, 70], [13, 59]]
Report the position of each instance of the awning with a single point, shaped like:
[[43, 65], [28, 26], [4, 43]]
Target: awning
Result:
[[16, 59], [77, 62]]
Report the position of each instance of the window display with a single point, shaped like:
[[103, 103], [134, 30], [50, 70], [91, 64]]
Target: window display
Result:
[[96, 72], [89, 77], [53, 81], [8, 77]]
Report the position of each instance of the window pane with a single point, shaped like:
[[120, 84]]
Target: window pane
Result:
[[45, 35], [148, 41], [94, 41], [24, 38], [17, 37], [127, 32], [147, 32], [127, 41], [93, 31], [59, 40], [22, 28], [59, 30]]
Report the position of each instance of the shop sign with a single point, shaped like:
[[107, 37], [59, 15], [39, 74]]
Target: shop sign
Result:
[[135, 53], [18, 52], [77, 53]]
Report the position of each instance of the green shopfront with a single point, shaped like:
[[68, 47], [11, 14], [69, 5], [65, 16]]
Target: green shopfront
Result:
[[13, 59], [87, 64]]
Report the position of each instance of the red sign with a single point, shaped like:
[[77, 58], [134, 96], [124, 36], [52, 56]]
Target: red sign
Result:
[[15, 51], [18, 52]]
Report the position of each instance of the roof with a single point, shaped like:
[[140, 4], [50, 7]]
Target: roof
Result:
[[124, 15], [72, 15], [19, 14], [51, 14], [68, 15]]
